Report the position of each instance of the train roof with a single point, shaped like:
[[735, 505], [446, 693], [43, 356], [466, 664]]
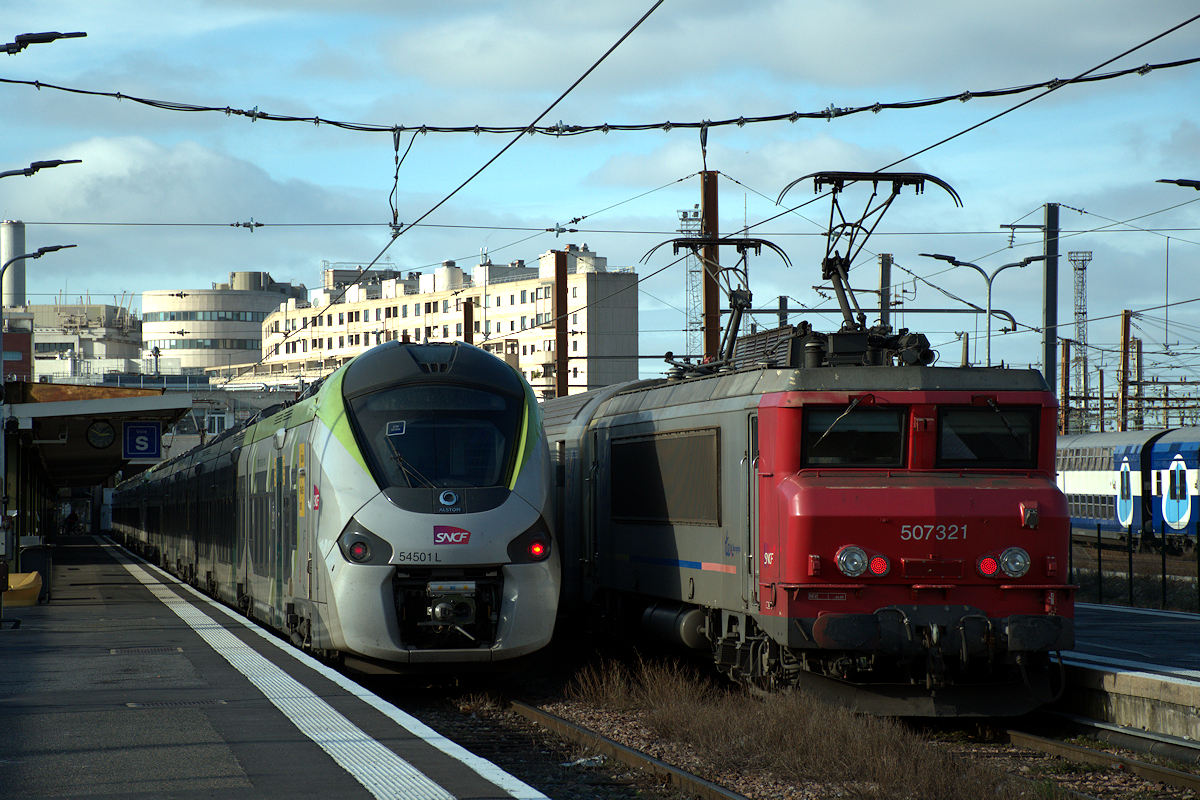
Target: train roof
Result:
[[558, 413], [1108, 438], [836, 379]]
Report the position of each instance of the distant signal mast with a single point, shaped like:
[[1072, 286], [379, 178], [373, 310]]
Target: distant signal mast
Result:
[[693, 324], [1079, 261]]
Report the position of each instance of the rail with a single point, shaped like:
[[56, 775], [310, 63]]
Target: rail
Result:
[[692, 785]]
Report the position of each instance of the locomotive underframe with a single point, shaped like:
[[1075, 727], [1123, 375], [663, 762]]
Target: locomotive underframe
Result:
[[902, 660]]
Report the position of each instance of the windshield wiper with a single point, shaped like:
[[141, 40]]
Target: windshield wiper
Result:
[[409, 471], [853, 404]]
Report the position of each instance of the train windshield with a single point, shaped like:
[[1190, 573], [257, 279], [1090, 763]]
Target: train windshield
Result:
[[990, 436], [440, 437], [853, 437]]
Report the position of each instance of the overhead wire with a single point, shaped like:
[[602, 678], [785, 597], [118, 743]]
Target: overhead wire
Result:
[[400, 230], [829, 113], [1050, 87]]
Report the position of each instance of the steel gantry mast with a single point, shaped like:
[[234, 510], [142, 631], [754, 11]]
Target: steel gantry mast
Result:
[[1079, 262], [693, 323]]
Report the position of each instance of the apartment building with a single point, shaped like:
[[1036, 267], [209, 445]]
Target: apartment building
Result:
[[217, 327], [507, 309]]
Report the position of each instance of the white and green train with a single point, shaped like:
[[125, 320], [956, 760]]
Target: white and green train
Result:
[[396, 514]]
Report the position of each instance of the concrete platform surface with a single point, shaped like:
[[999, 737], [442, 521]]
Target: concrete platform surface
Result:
[[130, 684]]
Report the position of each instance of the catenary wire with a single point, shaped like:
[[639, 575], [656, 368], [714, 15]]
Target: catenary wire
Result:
[[400, 230], [560, 129]]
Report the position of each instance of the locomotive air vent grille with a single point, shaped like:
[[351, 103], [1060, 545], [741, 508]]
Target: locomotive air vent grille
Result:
[[435, 367]]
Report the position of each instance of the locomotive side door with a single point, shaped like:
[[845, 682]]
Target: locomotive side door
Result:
[[750, 544]]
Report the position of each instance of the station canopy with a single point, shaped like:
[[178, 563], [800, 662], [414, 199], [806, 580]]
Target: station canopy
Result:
[[82, 435]]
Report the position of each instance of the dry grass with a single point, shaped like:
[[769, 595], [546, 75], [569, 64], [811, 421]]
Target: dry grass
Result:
[[793, 737]]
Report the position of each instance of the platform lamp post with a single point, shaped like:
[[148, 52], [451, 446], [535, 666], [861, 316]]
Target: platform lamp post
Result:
[[21, 41], [37, 165], [988, 277], [41, 251]]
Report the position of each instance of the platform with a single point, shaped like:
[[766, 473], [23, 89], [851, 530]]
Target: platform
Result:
[[130, 684], [1136, 668]]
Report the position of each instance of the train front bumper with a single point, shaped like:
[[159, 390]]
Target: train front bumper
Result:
[[392, 619], [911, 629]]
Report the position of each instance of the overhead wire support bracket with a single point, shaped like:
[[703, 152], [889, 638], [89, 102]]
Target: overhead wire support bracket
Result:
[[740, 298]]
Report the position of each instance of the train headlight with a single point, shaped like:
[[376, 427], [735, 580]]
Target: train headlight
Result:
[[852, 561], [360, 546], [531, 546], [1015, 562]]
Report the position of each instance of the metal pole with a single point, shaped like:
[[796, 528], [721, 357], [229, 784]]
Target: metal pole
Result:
[[1064, 410], [1123, 377], [885, 288], [710, 261], [1162, 545], [988, 278], [1099, 567], [560, 323], [1050, 310]]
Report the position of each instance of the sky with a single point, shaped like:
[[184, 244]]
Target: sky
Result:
[[156, 200]]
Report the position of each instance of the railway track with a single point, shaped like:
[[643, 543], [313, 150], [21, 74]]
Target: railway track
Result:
[[1093, 756], [691, 785]]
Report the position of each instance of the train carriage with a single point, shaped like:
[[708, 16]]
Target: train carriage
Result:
[[889, 536], [1132, 483], [399, 514]]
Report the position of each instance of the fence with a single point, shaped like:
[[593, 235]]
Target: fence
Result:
[[1141, 571]]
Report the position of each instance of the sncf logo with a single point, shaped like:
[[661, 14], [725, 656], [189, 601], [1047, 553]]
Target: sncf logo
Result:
[[448, 534]]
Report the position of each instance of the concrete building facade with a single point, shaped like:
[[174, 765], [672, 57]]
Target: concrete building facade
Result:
[[77, 340], [511, 314], [218, 327]]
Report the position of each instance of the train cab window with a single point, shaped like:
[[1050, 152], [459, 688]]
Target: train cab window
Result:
[[853, 437], [435, 436], [988, 437]]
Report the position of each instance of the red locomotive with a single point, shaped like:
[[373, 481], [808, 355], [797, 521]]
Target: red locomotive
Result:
[[832, 512]]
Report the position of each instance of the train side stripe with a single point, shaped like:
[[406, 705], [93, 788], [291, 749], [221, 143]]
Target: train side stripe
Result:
[[531, 428], [704, 566], [331, 409]]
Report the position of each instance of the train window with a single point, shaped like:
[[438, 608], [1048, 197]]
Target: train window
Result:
[[667, 478], [439, 436], [988, 437], [853, 437]]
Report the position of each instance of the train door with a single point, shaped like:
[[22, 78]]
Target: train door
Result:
[[750, 545], [1176, 500], [277, 540], [303, 532], [1124, 493]]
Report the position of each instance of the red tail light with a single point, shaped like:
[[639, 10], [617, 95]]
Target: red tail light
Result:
[[359, 551], [879, 566], [537, 550], [988, 566]]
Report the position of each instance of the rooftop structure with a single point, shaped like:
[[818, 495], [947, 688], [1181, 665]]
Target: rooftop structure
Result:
[[215, 327], [504, 308]]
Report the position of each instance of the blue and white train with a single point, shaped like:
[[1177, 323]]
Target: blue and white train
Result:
[[1139, 483]]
